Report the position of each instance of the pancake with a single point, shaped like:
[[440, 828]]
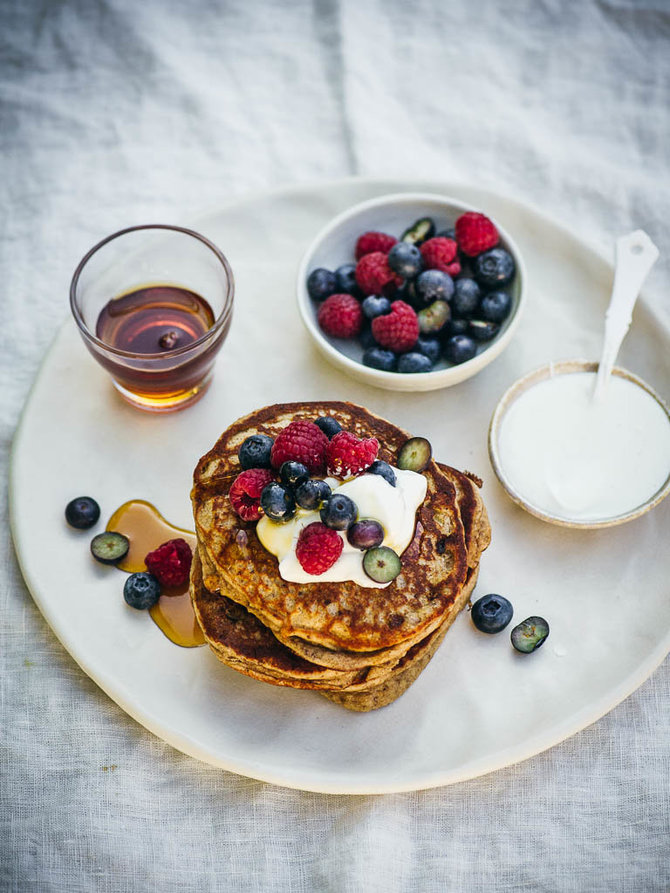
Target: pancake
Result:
[[335, 616]]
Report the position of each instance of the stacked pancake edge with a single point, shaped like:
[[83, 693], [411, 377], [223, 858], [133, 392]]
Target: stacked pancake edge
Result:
[[360, 647]]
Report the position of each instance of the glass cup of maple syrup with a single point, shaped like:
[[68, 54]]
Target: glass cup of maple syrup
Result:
[[154, 305]]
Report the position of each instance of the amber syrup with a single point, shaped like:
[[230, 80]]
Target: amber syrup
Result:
[[147, 529], [157, 320]]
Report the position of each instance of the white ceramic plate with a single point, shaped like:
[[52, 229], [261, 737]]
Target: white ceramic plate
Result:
[[479, 705]]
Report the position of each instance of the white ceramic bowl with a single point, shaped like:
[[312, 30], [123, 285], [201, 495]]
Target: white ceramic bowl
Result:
[[334, 246]]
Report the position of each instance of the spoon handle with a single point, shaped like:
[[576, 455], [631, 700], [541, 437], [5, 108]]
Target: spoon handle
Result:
[[635, 256]]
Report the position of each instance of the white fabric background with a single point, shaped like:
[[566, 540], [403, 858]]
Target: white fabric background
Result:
[[115, 112]]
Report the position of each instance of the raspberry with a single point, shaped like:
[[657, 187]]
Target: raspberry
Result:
[[475, 233], [301, 442], [170, 563], [346, 455], [318, 548], [375, 277], [373, 241], [341, 316], [438, 253], [397, 330], [454, 268], [245, 492]]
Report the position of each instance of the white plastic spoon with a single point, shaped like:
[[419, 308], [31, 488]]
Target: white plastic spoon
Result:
[[635, 256]]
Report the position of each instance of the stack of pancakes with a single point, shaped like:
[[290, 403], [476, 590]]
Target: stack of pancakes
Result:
[[360, 647]]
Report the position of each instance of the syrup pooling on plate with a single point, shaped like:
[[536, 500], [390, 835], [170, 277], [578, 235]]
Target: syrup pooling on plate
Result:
[[146, 529]]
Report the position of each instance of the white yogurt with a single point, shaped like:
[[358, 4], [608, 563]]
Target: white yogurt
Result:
[[580, 459], [394, 508]]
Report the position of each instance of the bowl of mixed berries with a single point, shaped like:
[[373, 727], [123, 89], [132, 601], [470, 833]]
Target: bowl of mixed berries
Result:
[[412, 292]]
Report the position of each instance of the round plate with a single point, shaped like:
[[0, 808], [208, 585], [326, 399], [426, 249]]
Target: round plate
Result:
[[479, 705]]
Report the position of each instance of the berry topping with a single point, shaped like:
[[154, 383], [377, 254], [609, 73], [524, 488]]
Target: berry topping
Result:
[[141, 591], [347, 456], [481, 330], [365, 534], [491, 613], [375, 305], [293, 474], [438, 253], [399, 329], [383, 469], [341, 316], [495, 306], [433, 319], [109, 547], [318, 548], [414, 362], [320, 284], [339, 512], [82, 512], [303, 442], [311, 494], [255, 451], [494, 268], [381, 564], [459, 349], [375, 277], [475, 233], [434, 285], [379, 358], [415, 454], [170, 563], [466, 298], [405, 260], [328, 425], [345, 279], [431, 347], [530, 634], [277, 502], [419, 231], [245, 492], [373, 241]]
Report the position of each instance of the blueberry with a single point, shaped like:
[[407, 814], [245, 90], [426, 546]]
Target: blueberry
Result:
[[365, 534], [375, 305], [345, 280], [293, 474], [447, 234], [433, 319], [310, 494], [379, 358], [407, 293], [366, 338], [381, 564], [415, 454], [255, 451], [495, 306], [82, 512], [491, 613], [455, 327], [419, 231], [405, 260], [328, 425], [494, 268], [383, 469], [466, 298], [141, 591], [339, 512], [277, 502], [414, 362], [434, 285], [481, 330], [431, 347], [459, 349], [529, 634], [321, 284], [109, 547]]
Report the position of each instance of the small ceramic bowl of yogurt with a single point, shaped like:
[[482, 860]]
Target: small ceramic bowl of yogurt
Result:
[[576, 461]]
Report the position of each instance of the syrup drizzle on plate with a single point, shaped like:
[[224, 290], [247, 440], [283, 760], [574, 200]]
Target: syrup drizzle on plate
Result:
[[146, 529]]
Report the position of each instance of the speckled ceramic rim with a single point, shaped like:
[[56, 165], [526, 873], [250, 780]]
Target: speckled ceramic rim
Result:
[[399, 381], [565, 367]]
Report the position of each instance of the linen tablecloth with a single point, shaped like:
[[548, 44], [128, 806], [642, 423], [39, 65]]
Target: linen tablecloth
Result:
[[115, 113]]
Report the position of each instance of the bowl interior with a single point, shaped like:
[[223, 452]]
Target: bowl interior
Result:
[[334, 246]]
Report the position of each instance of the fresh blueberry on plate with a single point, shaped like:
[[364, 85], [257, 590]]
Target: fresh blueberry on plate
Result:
[[491, 613]]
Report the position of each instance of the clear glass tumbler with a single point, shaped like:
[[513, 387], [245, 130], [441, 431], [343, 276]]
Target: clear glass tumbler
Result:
[[154, 305]]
